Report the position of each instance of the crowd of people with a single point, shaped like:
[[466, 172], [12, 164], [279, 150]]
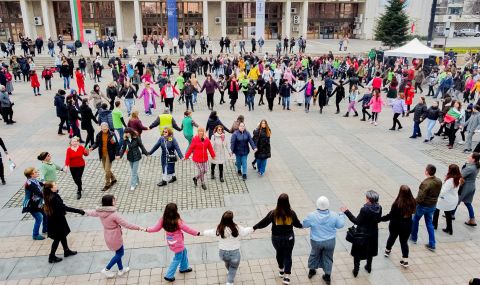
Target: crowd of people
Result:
[[296, 80]]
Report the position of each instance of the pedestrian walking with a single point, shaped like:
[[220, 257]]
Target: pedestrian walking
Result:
[[169, 146], [33, 202], [132, 145], [467, 190], [220, 147], [187, 126], [86, 122], [376, 103], [427, 198], [174, 228], [400, 226], [367, 224], [58, 229], [283, 219], [229, 236], [239, 145], [48, 169], [107, 144], [419, 112], [261, 138], [448, 197], [199, 147], [398, 107], [113, 223], [2, 170], [75, 162], [323, 225], [432, 115]]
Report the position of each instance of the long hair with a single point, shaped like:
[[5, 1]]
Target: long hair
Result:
[[455, 174], [227, 221], [268, 132], [48, 197], [171, 217], [405, 201], [283, 212], [476, 159]]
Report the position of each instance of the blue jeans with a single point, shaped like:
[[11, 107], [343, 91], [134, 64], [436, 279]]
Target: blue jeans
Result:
[[471, 213], [120, 136], [286, 102], [129, 104], [116, 259], [427, 212], [250, 102], [232, 261], [180, 258], [261, 165], [241, 163], [416, 129], [195, 93], [134, 167], [66, 82], [39, 218], [51, 52], [430, 125]]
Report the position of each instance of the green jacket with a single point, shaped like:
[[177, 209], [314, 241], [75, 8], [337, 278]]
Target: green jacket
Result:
[[48, 171], [187, 125], [428, 192]]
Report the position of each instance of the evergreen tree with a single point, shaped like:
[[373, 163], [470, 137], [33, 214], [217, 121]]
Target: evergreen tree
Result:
[[392, 27]]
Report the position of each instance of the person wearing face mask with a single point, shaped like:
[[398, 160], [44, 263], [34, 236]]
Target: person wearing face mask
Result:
[[107, 145], [199, 147], [239, 145], [133, 143], [75, 162]]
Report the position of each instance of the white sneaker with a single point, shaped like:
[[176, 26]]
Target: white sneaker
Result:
[[229, 283], [371, 122], [461, 142], [132, 188], [108, 273], [375, 123], [123, 271]]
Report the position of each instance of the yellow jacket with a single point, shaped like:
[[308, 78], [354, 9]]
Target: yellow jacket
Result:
[[254, 73]]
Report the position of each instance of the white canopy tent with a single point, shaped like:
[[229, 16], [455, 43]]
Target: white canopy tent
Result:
[[415, 49]]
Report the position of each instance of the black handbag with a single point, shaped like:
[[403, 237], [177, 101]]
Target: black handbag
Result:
[[355, 236], [171, 157]]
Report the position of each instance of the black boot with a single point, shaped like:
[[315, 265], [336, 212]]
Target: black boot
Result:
[[311, 272], [162, 183], [346, 114], [54, 259], [79, 195], [212, 175], [356, 115], [69, 252], [174, 178]]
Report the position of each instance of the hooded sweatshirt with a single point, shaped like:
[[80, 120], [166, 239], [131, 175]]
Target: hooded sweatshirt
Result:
[[323, 224], [112, 225]]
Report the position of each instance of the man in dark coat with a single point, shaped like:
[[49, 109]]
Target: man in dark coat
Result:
[[62, 111], [107, 145]]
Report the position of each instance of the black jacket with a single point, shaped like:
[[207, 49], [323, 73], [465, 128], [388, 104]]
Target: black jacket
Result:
[[322, 96], [135, 149], [271, 90], [212, 123], [57, 223], [419, 112], [87, 117], [112, 145], [112, 93], [398, 222], [340, 93], [60, 106], [367, 223], [262, 141], [432, 113], [73, 114]]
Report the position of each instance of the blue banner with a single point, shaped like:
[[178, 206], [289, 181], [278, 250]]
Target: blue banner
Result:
[[260, 20], [172, 19]]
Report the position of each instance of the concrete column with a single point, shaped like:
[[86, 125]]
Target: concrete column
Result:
[[223, 13], [26, 17], [288, 19], [304, 19], [205, 17], [118, 19], [46, 19], [51, 20], [138, 19]]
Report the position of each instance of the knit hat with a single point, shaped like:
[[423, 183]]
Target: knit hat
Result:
[[323, 203]]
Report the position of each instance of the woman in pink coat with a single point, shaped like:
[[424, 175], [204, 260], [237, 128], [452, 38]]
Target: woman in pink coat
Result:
[[148, 95], [376, 103], [174, 228], [112, 231]]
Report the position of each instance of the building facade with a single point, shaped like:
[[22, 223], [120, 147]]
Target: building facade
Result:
[[456, 15], [91, 19]]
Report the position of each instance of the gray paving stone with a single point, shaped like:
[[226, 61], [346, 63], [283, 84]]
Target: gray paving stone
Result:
[[31, 267], [6, 267], [73, 265], [148, 258]]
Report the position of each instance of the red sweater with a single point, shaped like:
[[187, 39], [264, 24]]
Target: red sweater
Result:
[[199, 150], [75, 158]]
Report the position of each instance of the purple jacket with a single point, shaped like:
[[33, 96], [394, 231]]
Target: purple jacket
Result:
[[399, 106], [209, 86]]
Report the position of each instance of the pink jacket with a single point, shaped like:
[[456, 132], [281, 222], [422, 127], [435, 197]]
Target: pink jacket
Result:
[[175, 240], [146, 98], [376, 104], [112, 225]]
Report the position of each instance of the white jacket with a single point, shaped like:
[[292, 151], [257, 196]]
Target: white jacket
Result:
[[448, 198], [229, 242]]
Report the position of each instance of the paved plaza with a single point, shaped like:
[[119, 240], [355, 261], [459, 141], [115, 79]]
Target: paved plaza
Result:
[[312, 154]]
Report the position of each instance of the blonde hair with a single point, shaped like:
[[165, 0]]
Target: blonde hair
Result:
[[28, 172], [134, 114]]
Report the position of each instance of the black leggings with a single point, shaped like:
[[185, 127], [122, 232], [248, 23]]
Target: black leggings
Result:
[[365, 112], [396, 120], [418, 86], [284, 246], [222, 93], [2, 171], [448, 217], [210, 101], [77, 173], [374, 116], [220, 169], [403, 233], [169, 103], [63, 121], [90, 137], [270, 103], [452, 133], [356, 263], [232, 104], [55, 244]]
